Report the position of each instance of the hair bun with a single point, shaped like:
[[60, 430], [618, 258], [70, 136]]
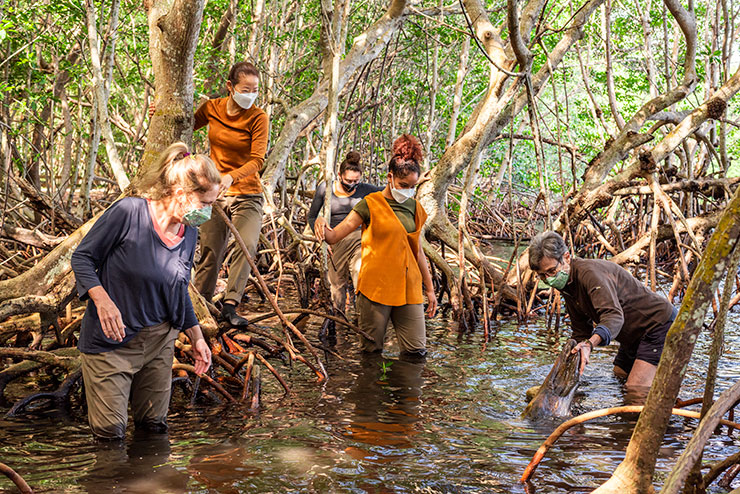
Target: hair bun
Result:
[[353, 157], [407, 147]]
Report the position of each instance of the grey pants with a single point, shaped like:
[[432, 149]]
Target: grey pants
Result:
[[246, 213], [140, 371], [408, 320], [344, 265]]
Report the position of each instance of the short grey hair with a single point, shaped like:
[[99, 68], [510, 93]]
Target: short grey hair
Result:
[[546, 244]]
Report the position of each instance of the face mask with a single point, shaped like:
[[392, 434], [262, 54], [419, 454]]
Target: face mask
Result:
[[348, 188], [401, 195], [558, 281], [197, 216], [245, 100]]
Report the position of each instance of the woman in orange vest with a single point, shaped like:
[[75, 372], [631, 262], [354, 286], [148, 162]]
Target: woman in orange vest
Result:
[[393, 263]]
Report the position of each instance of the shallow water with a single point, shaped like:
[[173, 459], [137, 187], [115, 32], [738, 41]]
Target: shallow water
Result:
[[378, 426]]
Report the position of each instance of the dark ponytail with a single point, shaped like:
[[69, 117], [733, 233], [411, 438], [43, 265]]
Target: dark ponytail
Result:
[[406, 156]]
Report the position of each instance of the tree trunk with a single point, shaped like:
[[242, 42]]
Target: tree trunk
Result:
[[173, 36], [634, 474], [367, 46], [101, 85]]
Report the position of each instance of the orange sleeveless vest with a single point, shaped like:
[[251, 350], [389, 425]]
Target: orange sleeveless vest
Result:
[[390, 274]]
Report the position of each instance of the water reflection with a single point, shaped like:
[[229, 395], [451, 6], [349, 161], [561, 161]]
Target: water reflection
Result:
[[386, 396], [138, 465], [378, 425]]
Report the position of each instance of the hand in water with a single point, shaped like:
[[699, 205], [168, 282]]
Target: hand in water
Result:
[[585, 348]]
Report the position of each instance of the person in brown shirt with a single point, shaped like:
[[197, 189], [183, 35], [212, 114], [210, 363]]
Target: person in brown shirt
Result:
[[237, 133], [605, 302]]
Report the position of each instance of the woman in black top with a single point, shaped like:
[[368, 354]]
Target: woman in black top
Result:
[[345, 255]]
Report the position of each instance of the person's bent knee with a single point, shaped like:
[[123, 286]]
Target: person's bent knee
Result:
[[619, 372]]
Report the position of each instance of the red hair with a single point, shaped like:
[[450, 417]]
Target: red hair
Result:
[[407, 156]]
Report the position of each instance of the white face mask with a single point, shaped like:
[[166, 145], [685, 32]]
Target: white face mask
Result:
[[401, 195], [245, 100]]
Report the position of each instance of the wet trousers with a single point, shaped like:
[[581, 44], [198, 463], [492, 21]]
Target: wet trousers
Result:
[[344, 266], [140, 371], [408, 321]]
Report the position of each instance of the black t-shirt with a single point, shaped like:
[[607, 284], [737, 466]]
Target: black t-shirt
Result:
[[340, 206]]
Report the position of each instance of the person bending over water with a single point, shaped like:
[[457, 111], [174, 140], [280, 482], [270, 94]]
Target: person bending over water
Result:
[[346, 254], [133, 267], [394, 267], [606, 303]]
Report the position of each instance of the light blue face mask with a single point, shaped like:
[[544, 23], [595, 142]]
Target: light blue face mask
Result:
[[558, 281], [198, 216]]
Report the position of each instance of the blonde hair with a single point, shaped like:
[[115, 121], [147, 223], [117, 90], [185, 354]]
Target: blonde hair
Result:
[[176, 167]]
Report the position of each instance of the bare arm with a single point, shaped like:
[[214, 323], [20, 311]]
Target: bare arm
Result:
[[426, 276], [333, 235]]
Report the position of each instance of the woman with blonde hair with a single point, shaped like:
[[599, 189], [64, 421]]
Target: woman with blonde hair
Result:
[[133, 267]]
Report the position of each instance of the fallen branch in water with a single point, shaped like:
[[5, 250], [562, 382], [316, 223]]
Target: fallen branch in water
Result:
[[17, 479], [207, 379], [592, 415], [717, 469], [336, 319]]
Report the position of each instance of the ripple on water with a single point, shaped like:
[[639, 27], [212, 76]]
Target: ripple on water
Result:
[[378, 425]]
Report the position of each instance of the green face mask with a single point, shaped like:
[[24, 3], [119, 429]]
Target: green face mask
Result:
[[196, 217], [558, 281]]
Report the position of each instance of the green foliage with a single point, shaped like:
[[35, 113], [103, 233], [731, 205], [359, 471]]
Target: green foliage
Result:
[[393, 94]]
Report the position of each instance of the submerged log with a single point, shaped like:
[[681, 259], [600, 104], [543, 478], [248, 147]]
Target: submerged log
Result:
[[554, 397]]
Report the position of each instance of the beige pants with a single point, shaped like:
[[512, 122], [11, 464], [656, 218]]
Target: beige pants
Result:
[[408, 321], [344, 265], [246, 213], [139, 371]]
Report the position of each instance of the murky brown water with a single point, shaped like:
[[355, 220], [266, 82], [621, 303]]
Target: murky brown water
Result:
[[378, 426]]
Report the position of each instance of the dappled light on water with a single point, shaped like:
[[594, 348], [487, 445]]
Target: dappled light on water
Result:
[[380, 424]]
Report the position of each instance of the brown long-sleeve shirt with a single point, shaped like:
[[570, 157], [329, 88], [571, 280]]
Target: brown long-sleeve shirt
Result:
[[602, 293], [238, 143]]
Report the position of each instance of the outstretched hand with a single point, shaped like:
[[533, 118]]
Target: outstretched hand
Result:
[[320, 227]]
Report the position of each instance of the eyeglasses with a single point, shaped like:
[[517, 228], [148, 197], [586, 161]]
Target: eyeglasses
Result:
[[550, 272]]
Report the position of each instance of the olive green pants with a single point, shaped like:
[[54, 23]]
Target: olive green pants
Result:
[[139, 371], [246, 213], [344, 266], [408, 321]]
